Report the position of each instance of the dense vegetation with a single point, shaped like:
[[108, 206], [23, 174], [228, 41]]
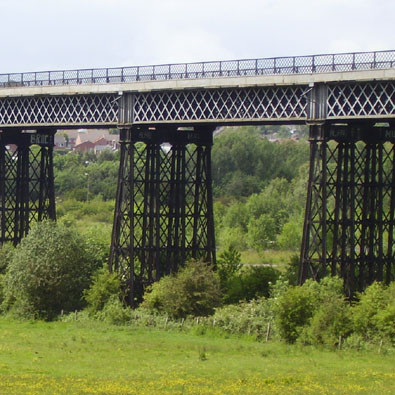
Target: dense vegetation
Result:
[[259, 190], [58, 272]]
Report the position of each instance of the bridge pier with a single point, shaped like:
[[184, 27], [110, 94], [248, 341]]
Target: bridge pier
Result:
[[26, 181], [349, 220], [164, 209]]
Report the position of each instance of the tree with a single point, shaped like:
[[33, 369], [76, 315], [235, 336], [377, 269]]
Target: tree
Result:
[[48, 272]]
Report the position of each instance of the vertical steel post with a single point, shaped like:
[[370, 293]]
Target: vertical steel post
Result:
[[26, 182], [349, 219], [169, 214]]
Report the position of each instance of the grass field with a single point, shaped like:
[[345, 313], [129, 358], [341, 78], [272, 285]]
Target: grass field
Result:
[[96, 358]]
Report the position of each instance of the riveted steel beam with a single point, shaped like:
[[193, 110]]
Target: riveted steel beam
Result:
[[26, 182], [164, 207], [349, 220]]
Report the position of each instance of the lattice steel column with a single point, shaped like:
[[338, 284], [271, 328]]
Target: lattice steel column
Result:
[[26, 182], [164, 209], [349, 221]]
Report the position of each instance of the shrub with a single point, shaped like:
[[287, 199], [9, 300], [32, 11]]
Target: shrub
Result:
[[48, 272], [252, 282], [373, 315], [104, 286], [228, 264], [250, 318], [195, 290], [6, 251], [293, 311], [295, 307], [292, 270], [330, 322], [114, 312]]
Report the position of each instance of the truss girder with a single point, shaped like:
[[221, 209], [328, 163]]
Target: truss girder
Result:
[[164, 212], [362, 100], [351, 100], [92, 109], [349, 223], [26, 184], [221, 105]]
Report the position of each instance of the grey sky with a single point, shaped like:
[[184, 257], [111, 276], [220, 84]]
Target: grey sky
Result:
[[57, 34]]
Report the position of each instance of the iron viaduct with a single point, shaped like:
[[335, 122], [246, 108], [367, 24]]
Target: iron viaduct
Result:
[[164, 212]]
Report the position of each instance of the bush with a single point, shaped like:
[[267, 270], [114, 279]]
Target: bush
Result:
[[249, 318], [292, 271], [228, 264], [114, 312], [293, 311], [104, 286], [330, 323], [373, 315], [296, 306], [195, 290], [6, 251], [252, 282], [48, 272]]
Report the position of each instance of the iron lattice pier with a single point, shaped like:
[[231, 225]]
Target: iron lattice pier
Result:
[[164, 209], [349, 222], [26, 182]]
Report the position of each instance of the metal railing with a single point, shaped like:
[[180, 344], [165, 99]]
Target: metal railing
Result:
[[229, 68]]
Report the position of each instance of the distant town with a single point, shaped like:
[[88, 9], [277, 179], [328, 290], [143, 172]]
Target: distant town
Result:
[[82, 140]]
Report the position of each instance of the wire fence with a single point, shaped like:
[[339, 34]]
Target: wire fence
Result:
[[229, 68]]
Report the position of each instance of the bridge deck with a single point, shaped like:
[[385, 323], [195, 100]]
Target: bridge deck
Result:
[[287, 90]]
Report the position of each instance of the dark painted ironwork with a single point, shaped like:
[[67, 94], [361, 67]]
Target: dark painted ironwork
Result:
[[66, 110], [349, 222], [164, 208], [288, 104], [164, 212], [26, 182], [230, 68]]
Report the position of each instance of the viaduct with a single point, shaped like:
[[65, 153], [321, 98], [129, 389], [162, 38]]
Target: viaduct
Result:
[[164, 208]]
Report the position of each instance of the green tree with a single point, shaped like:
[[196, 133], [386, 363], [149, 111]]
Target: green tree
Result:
[[48, 272]]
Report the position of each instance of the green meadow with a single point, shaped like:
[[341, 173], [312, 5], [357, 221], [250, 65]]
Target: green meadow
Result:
[[90, 357]]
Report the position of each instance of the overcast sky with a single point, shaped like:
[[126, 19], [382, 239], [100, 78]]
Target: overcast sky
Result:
[[58, 34]]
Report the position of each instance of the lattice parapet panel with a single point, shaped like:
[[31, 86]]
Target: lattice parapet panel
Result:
[[59, 110], [270, 103], [370, 99]]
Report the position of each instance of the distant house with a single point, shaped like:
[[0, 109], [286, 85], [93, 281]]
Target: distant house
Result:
[[96, 140], [60, 141], [85, 146]]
